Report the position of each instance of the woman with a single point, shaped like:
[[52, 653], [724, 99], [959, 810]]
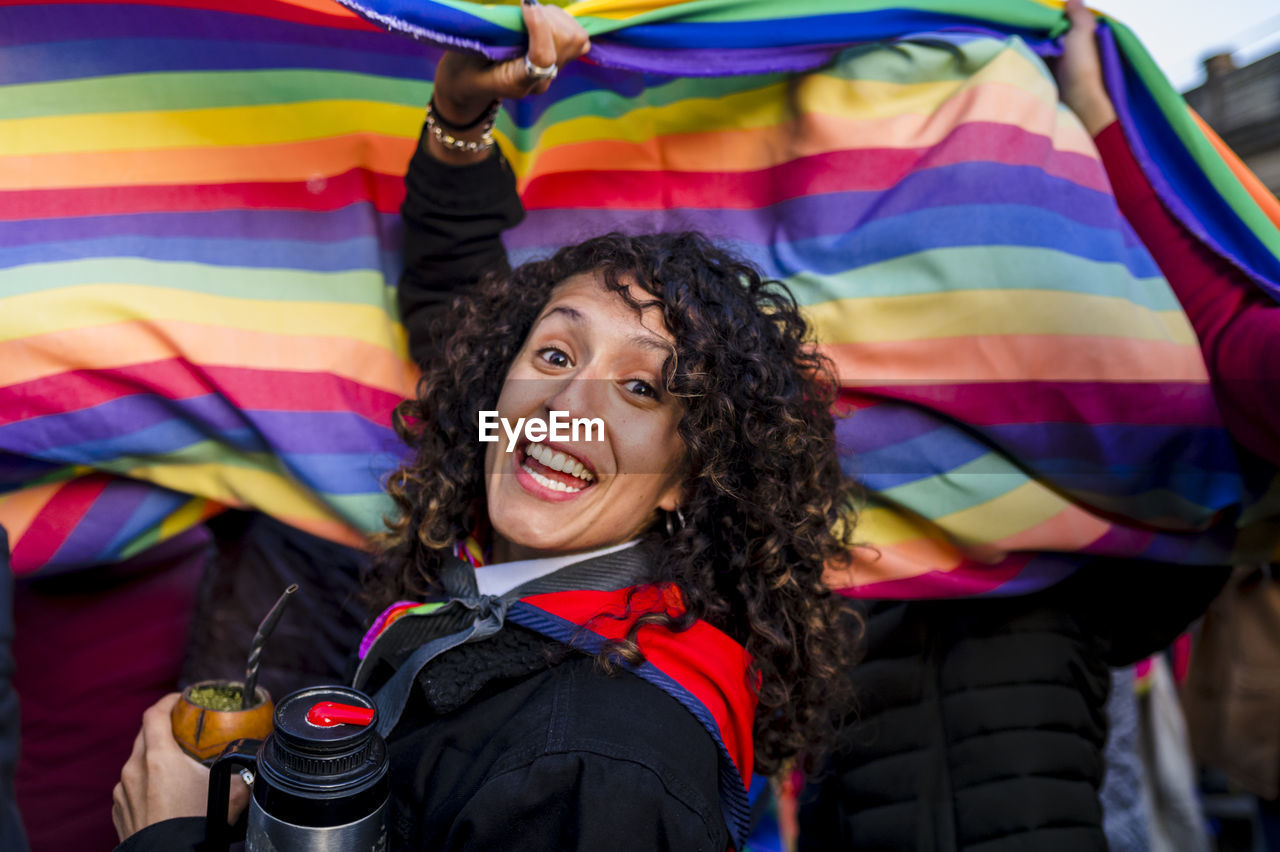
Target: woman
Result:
[[686, 543]]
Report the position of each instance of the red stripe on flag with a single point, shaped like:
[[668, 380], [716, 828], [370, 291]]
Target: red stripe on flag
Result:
[[965, 580], [244, 388], [357, 185], [840, 171], [56, 520], [339, 19], [1174, 403]]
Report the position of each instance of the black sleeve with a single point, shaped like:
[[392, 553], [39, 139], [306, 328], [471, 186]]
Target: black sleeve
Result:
[[12, 836], [579, 801], [453, 219], [1139, 608], [172, 835]]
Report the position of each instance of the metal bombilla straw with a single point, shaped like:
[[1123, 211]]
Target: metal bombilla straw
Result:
[[255, 649]]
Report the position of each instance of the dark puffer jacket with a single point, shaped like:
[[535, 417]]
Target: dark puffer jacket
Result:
[[12, 837], [980, 723]]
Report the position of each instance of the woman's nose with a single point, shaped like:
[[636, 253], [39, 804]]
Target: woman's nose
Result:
[[580, 395]]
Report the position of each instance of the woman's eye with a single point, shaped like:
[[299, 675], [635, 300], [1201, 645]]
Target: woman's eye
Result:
[[554, 357], [640, 387]]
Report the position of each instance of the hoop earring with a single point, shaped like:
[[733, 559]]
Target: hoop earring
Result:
[[672, 525]]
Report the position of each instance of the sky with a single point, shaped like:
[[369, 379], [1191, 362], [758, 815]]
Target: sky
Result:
[[1178, 33]]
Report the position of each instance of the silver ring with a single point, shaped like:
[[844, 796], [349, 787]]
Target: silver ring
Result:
[[540, 72]]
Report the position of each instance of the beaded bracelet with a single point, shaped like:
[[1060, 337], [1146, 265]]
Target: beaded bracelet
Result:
[[435, 124]]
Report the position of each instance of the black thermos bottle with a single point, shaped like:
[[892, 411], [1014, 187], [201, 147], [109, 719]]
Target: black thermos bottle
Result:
[[320, 783]]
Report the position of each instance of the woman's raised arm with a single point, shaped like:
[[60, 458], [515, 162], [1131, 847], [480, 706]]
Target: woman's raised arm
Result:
[[1237, 325], [460, 191]]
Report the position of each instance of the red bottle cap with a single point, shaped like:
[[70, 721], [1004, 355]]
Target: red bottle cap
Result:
[[326, 714]]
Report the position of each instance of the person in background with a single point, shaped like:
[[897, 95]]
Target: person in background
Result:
[[981, 723], [1232, 695], [12, 836]]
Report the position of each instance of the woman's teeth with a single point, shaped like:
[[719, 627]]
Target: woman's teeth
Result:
[[547, 482], [558, 461]]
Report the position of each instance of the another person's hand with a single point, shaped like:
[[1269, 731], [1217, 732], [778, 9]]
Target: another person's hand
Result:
[[1080, 71], [466, 84], [159, 781]]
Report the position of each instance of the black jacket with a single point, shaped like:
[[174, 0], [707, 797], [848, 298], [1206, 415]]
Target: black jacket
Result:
[[12, 836], [980, 723], [517, 743]]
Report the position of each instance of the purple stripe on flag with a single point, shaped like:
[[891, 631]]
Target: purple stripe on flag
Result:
[[343, 223], [114, 506], [67, 60], [184, 421], [716, 62], [36, 24]]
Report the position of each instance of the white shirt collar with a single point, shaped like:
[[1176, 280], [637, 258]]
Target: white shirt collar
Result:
[[502, 577]]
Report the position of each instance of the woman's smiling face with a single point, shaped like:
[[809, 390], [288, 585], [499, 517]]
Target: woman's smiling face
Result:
[[592, 355]]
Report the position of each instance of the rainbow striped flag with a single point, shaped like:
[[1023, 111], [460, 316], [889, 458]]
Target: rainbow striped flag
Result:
[[198, 254]]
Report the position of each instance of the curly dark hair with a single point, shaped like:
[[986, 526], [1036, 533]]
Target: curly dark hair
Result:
[[766, 504]]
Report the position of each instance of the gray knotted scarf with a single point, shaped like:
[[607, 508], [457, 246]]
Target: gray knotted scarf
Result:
[[469, 616]]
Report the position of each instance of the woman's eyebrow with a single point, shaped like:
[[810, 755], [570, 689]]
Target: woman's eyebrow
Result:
[[644, 341], [572, 314], [652, 342]]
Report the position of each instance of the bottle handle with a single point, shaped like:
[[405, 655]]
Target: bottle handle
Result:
[[239, 754]]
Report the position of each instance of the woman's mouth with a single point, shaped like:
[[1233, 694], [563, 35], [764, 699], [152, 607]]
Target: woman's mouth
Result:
[[555, 470]]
